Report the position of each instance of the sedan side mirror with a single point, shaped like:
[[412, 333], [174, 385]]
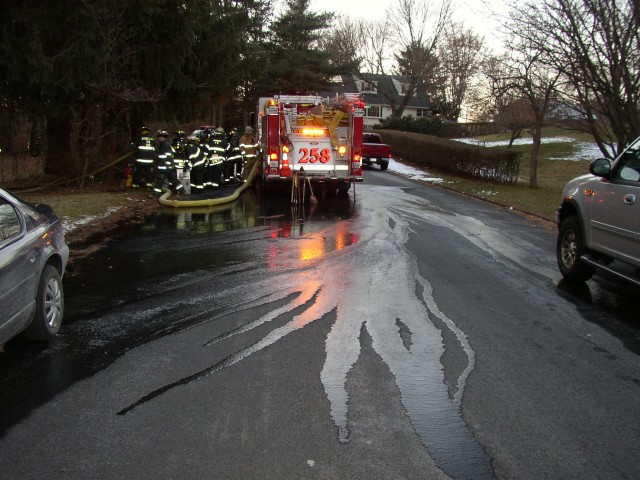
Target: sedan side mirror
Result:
[[600, 167]]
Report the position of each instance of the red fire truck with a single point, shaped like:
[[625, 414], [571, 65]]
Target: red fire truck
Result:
[[311, 134]]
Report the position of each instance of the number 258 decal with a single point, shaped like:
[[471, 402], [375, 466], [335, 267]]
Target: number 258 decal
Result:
[[314, 156]]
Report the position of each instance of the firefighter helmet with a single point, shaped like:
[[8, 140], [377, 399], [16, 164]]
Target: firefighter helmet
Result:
[[162, 133], [144, 130], [248, 130], [220, 130], [193, 139]]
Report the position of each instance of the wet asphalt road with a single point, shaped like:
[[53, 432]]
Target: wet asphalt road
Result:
[[400, 332]]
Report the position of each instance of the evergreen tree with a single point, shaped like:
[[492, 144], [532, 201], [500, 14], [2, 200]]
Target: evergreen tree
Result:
[[296, 63], [86, 67], [345, 43]]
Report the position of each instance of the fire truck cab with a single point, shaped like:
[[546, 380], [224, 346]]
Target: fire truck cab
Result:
[[310, 135]]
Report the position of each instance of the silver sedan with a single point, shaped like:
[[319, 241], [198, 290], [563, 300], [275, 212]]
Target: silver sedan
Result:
[[33, 258]]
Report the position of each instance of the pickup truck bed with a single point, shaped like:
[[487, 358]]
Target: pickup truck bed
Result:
[[374, 151]]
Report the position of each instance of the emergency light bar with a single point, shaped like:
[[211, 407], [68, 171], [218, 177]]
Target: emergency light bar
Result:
[[313, 132]]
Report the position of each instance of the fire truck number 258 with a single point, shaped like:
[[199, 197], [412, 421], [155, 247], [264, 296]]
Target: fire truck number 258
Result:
[[314, 156]]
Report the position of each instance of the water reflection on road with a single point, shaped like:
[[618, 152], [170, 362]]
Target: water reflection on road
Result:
[[318, 229], [134, 290], [250, 211], [183, 240], [313, 270]]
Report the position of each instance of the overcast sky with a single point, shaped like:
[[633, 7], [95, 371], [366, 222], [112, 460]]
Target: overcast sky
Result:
[[473, 13]]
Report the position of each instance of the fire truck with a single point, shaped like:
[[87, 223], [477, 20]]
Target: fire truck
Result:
[[311, 136]]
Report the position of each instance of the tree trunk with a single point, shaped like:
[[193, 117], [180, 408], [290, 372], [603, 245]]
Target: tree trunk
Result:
[[59, 152], [536, 133]]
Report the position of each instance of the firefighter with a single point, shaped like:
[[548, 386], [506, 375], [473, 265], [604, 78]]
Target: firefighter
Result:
[[234, 157], [249, 151], [144, 146], [179, 143], [196, 157], [164, 164], [220, 146], [123, 177], [207, 147], [127, 174]]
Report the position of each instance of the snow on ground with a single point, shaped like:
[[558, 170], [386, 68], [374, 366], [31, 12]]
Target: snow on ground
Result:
[[581, 150], [412, 173], [517, 141], [70, 226]]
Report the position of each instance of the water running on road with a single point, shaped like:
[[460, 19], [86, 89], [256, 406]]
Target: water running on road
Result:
[[349, 281]]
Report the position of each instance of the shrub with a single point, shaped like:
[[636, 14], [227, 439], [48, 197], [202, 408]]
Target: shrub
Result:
[[494, 164], [476, 129], [427, 125]]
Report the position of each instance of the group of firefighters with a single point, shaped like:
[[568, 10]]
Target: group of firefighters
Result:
[[212, 159]]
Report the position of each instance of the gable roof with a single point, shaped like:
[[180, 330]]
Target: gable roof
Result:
[[389, 84]]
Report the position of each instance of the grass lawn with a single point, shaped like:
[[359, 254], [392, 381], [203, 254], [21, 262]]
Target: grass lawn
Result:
[[552, 175]]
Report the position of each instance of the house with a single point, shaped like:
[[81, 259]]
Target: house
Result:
[[377, 91]]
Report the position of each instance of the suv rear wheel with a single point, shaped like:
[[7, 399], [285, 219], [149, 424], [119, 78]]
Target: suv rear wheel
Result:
[[569, 248]]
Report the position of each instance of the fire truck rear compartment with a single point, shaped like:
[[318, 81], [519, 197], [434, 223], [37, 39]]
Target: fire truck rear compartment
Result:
[[303, 134]]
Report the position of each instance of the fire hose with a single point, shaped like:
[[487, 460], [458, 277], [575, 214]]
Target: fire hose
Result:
[[208, 202]]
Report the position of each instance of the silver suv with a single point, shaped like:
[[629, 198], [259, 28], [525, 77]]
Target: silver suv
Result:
[[599, 220]]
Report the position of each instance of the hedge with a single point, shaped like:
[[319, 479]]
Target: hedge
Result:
[[493, 164], [408, 123]]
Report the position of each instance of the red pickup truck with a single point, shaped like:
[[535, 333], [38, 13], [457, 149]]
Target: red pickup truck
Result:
[[374, 151]]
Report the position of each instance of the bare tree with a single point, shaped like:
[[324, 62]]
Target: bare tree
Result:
[[477, 105], [517, 117], [595, 46], [421, 25], [522, 74], [376, 39], [418, 25], [458, 61], [481, 104], [493, 91]]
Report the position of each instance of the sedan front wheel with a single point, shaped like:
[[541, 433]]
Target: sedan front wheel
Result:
[[49, 306]]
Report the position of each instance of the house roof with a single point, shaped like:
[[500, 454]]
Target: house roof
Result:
[[388, 86]]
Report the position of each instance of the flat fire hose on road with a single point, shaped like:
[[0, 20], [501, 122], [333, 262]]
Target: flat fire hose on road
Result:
[[207, 202]]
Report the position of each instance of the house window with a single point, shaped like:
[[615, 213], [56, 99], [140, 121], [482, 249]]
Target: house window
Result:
[[369, 87], [422, 112], [374, 111]]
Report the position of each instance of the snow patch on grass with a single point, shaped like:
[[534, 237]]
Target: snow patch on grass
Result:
[[70, 226], [580, 150]]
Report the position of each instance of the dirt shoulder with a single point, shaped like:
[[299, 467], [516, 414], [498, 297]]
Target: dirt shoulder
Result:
[[93, 233], [92, 215]]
